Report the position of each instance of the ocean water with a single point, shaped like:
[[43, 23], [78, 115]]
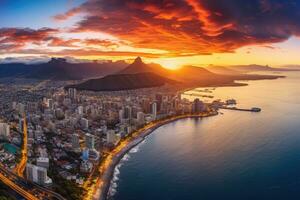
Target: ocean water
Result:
[[234, 156]]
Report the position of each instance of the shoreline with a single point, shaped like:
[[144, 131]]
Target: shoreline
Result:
[[103, 189]]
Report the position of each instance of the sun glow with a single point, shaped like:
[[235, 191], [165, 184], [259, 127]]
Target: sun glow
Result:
[[171, 63]]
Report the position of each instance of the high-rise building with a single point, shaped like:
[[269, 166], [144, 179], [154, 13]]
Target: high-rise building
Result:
[[50, 104], [154, 110], [80, 110], [84, 123], [158, 99], [121, 115], [111, 137], [4, 130], [37, 174], [72, 92], [128, 112], [21, 108], [21, 121], [198, 106], [89, 141], [85, 155], [140, 118], [75, 142], [42, 162]]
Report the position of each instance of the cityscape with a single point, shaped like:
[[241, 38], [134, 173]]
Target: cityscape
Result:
[[142, 100]]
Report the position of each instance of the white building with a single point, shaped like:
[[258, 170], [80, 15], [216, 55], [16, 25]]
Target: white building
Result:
[[111, 137], [37, 174], [121, 116], [84, 123], [4, 130], [154, 110], [80, 110], [140, 118], [42, 162]]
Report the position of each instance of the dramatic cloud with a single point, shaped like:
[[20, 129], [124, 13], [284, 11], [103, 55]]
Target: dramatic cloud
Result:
[[13, 39], [192, 26], [161, 28]]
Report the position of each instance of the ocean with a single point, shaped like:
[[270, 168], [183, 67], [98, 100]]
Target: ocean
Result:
[[235, 156]]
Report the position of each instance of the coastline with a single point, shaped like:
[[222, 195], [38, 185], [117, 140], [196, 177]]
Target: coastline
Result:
[[103, 189]]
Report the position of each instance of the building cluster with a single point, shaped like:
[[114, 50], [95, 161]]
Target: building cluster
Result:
[[69, 131]]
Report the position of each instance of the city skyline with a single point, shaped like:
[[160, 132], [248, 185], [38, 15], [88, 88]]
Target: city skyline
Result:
[[149, 99], [171, 33]]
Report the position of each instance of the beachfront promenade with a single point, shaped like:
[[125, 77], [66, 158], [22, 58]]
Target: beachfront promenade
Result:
[[100, 188]]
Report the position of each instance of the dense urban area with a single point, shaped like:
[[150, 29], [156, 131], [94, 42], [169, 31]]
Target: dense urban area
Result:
[[55, 141]]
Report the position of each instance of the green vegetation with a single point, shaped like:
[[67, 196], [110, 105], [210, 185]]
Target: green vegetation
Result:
[[68, 189]]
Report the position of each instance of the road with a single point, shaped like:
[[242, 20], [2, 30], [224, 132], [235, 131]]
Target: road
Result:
[[23, 161], [17, 188], [17, 182]]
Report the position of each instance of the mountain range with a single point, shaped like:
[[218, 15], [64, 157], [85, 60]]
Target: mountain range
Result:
[[60, 69], [119, 75], [141, 75]]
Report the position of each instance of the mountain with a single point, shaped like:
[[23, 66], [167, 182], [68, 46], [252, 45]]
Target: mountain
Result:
[[117, 82], [15, 70], [186, 74], [193, 75], [60, 69], [222, 70], [138, 66], [141, 75]]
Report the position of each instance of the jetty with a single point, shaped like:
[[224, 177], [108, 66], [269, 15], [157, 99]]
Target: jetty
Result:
[[254, 109]]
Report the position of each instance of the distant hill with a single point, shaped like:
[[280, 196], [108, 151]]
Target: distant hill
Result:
[[253, 68], [124, 82], [222, 70], [291, 67], [60, 69], [249, 68]]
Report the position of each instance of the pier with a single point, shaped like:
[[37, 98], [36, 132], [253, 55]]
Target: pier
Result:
[[254, 109]]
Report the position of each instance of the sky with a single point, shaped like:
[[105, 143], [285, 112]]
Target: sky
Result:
[[168, 32]]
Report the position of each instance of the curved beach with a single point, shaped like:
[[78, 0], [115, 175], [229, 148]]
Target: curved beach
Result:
[[102, 190]]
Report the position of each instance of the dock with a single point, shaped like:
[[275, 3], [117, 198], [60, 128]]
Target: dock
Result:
[[254, 109]]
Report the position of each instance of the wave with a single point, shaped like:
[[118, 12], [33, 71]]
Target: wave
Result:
[[115, 179], [137, 147]]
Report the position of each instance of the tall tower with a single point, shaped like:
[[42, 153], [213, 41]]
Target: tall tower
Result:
[[154, 110]]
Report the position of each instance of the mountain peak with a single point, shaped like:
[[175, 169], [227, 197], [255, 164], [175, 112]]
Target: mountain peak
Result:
[[138, 60], [58, 60]]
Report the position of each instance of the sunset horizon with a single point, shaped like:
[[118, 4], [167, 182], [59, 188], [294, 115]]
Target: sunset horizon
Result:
[[169, 33], [149, 99]]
